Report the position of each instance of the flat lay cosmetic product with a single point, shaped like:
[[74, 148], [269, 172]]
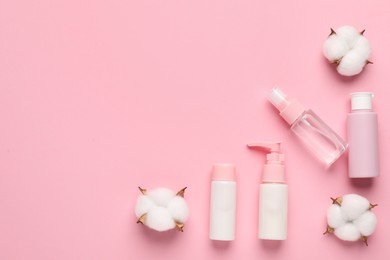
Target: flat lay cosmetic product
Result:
[[316, 136], [363, 157], [273, 194], [223, 202]]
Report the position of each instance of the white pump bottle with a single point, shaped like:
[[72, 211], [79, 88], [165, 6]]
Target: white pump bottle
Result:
[[273, 194]]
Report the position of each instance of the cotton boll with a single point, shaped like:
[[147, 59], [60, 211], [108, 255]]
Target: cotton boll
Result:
[[350, 217], [348, 232], [351, 64], [366, 223], [347, 48], [348, 34], [335, 48], [161, 196], [162, 209], [353, 206], [178, 209], [334, 216], [143, 205], [159, 218]]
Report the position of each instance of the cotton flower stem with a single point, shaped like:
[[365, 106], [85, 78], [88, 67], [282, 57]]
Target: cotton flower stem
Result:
[[372, 206], [337, 62], [337, 200], [179, 226], [329, 230], [332, 32], [143, 191], [142, 219], [181, 192], [362, 32], [365, 240], [369, 62]]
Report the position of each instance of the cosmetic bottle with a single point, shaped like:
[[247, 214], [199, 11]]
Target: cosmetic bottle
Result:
[[363, 157], [223, 202], [273, 194], [318, 138]]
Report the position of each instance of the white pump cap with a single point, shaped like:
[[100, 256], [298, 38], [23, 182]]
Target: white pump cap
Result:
[[361, 101]]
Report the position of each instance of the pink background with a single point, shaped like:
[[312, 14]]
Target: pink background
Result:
[[98, 97]]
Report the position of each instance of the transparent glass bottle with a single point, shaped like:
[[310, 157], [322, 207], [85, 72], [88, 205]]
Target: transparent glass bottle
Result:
[[314, 133]]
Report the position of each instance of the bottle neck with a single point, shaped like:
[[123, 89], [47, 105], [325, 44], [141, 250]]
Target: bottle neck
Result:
[[292, 112], [361, 111], [274, 173]]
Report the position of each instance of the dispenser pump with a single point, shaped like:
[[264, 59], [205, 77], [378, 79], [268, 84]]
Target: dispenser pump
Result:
[[274, 169]]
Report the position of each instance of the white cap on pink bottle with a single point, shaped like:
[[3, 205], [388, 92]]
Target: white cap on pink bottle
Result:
[[361, 101]]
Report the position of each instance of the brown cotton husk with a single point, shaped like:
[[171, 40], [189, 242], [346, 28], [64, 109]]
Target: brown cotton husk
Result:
[[181, 192]]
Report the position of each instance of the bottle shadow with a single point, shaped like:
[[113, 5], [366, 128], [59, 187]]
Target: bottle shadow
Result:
[[165, 237], [220, 245], [364, 183], [271, 245]]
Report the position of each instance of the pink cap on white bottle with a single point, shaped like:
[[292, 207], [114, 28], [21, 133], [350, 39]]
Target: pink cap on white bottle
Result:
[[223, 172], [223, 202]]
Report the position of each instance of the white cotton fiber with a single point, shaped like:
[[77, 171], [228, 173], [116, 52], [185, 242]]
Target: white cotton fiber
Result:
[[353, 206], [178, 209], [160, 219], [349, 49], [161, 209], [351, 64], [143, 205], [350, 218], [161, 196], [362, 46], [366, 223], [348, 232], [334, 216], [348, 34], [335, 48]]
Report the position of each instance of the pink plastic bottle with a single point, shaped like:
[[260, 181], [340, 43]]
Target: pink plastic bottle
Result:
[[363, 158]]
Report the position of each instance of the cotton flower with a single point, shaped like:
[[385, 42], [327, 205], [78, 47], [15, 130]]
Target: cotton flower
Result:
[[348, 49], [162, 209], [350, 218]]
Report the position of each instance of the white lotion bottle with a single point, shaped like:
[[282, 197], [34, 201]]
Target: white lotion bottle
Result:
[[363, 157], [273, 195], [223, 202]]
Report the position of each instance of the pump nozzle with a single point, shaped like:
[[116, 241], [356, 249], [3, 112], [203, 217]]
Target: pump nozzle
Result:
[[273, 147], [273, 170], [274, 157]]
